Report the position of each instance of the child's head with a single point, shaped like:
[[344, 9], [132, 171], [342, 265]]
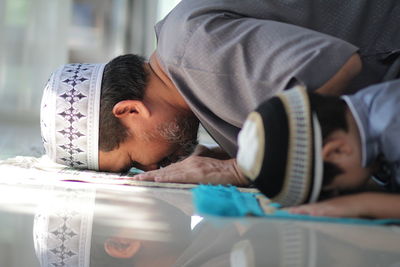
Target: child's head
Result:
[[298, 144], [341, 148]]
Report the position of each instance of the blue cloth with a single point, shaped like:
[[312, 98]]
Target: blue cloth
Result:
[[228, 201], [376, 110], [133, 171], [225, 201]]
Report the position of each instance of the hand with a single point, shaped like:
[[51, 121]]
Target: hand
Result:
[[344, 206], [211, 151], [367, 204], [196, 169]]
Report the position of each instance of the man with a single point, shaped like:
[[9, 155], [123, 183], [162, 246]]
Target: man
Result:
[[217, 61], [356, 136]]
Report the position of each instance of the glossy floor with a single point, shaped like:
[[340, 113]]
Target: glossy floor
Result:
[[67, 224]]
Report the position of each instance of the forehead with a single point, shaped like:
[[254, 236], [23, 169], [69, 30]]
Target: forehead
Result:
[[116, 160]]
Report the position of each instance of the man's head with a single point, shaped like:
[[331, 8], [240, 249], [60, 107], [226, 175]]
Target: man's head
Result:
[[137, 113], [141, 123], [306, 143]]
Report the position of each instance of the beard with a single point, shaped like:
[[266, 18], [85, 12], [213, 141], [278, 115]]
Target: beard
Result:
[[180, 132]]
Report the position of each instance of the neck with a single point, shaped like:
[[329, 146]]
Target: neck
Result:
[[167, 91]]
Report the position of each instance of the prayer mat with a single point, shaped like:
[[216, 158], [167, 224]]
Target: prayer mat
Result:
[[228, 201]]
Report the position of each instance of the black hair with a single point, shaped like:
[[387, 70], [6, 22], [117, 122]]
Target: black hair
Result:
[[331, 113], [98, 255], [106, 225], [124, 78]]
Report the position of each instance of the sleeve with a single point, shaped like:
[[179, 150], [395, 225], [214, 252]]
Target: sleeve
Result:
[[384, 121], [379, 111]]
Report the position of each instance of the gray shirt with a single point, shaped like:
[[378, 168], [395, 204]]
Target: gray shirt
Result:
[[226, 57], [376, 110]]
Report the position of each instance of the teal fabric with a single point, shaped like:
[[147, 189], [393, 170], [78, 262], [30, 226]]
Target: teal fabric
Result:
[[228, 201], [225, 201], [133, 171]]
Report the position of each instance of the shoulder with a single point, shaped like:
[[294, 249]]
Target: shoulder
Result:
[[188, 22], [377, 110], [377, 105]]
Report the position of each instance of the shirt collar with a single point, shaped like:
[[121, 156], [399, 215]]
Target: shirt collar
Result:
[[359, 110]]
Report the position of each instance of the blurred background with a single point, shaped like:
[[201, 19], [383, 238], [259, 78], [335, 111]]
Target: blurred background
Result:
[[38, 36]]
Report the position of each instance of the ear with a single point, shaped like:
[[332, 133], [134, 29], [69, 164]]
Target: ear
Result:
[[337, 149], [122, 248], [130, 107]]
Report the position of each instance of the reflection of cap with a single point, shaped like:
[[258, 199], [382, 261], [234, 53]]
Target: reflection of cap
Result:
[[280, 149], [70, 115], [251, 243], [293, 245], [63, 228]]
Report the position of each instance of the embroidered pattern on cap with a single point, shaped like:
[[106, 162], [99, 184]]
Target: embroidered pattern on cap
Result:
[[70, 115]]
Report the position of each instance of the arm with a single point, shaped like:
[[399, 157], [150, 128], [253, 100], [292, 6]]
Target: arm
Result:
[[371, 205], [196, 169], [338, 83]]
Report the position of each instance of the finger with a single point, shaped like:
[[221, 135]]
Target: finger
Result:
[[176, 176], [304, 209], [294, 210], [162, 176], [171, 176], [147, 176]]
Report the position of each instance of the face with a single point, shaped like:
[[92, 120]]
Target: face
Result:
[[153, 144], [353, 177]]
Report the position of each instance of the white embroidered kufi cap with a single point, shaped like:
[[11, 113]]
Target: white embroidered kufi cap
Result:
[[69, 115], [63, 227]]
